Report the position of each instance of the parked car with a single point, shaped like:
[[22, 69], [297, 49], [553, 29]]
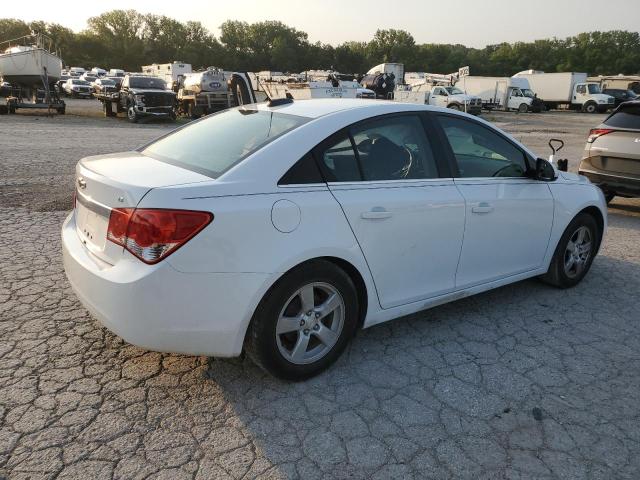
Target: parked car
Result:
[[75, 87], [59, 86], [104, 85], [620, 95], [314, 218], [87, 77], [611, 157], [117, 81]]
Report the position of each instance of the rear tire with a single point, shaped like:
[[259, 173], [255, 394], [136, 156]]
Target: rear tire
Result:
[[574, 253], [289, 344]]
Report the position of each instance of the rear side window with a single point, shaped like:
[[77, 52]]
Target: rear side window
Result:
[[627, 117], [339, 160], [303, 172], [394, 148], [215, 144]]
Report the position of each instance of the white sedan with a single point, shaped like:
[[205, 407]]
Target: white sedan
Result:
[[279, 229]]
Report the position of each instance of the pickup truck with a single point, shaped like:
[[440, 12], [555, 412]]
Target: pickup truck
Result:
[[439, 96], [140, 96]]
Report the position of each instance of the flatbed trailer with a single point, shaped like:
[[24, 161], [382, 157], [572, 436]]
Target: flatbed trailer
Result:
[[110, 103], [16, 99]]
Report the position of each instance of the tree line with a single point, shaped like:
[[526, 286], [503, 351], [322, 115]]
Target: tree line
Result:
[[128, 39]]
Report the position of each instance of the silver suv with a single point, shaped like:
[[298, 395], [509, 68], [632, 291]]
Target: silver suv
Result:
[[611, 158]]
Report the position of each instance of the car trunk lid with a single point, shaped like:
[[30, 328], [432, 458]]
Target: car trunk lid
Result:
[[113, 181]]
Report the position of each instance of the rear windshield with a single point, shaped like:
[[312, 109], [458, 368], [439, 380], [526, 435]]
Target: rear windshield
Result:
[[215, 144], [627, 117]]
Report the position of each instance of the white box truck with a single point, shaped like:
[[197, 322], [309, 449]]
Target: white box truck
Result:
[[502, 93], [169, 72], [568, 89]]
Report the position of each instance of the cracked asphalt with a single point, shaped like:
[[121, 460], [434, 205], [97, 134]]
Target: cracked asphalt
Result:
[[522, 382]]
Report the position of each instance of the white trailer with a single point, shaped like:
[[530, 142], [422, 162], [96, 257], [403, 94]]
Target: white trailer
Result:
[[567, 89], [619, 82], [169, 72], [502, 93]]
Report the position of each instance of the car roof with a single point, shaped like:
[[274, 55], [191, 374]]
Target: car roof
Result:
[[320, 107]]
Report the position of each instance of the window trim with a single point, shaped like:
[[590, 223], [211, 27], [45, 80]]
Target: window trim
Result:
[[452, 157], [442, 165]]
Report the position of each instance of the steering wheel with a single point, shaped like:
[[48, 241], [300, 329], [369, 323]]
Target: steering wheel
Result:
[[404, 171]]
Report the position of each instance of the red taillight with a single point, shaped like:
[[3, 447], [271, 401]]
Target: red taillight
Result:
[[153, 234], [597, 132]]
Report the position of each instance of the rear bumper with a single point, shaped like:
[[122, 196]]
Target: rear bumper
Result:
[[623, 184], [159, 308]]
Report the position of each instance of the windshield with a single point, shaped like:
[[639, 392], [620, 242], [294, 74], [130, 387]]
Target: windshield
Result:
[[79, 82], [527, 92], [454, 90], [215, 144], [106, 81], [593, 88], [147, 82]]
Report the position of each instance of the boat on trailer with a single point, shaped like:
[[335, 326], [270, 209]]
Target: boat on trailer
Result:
[[31, 66], [25, 60]]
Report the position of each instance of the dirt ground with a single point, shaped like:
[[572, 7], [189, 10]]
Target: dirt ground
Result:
[[522, 382]]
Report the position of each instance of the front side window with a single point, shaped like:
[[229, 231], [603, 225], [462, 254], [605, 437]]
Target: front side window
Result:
[[581, 89], [394, 148], [215, 144], [480, 152]]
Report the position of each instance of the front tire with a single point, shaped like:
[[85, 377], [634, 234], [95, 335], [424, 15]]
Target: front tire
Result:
[[523, 108], [574, 253], [590, 107], [132, 116], [304, 322], [454, 106]]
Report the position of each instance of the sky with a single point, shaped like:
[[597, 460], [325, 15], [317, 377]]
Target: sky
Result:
[[474, 23]]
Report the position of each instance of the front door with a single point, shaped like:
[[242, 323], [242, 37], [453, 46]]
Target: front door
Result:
[[407, 220], [508, 215]]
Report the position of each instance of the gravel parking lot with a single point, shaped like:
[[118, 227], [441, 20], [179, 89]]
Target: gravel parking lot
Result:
[[522, 382]]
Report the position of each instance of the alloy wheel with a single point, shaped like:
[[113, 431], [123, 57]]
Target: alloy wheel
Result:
[[577, 252], [310, 323]]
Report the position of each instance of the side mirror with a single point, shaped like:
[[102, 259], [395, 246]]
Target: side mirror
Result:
[[544, 171]]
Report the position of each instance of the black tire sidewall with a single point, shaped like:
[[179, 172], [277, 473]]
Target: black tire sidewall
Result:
[[263, 346], [561, 279]]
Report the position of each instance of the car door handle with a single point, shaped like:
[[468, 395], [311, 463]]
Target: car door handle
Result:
[[482, 207], [376, 215]]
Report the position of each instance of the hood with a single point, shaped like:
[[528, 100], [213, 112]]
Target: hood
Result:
[[602, 96], [573, 177]]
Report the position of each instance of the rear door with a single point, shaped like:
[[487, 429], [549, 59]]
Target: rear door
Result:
[[508, 215], [401, 203]]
